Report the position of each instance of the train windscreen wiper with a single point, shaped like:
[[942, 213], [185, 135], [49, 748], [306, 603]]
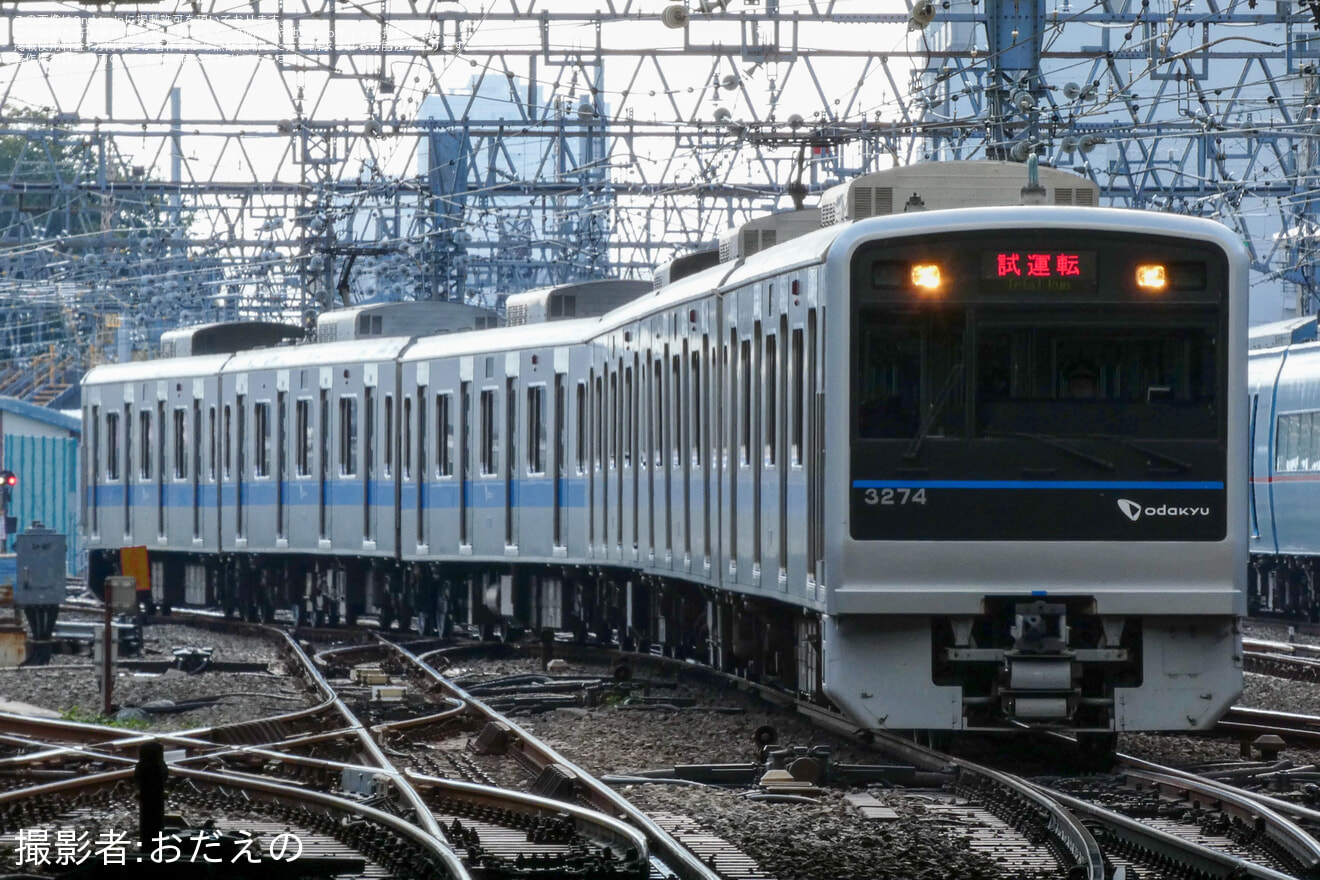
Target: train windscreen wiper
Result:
[[1053, 443], [1176, 463], [941, 400]]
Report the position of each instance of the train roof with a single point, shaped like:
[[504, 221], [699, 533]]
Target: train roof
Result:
[[160, 368], [315, 354], [504, 339], [226, 337], [954, 220], [1286, 332], [416, 318]]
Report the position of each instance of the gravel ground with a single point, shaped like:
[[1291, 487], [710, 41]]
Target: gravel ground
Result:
[[826, 838], [69, 684]]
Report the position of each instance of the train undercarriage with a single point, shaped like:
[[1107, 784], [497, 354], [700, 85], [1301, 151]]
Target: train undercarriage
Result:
[[1287, 587], [1045, 663], [761, 640]]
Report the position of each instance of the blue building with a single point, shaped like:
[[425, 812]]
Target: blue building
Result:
[[40, 446]]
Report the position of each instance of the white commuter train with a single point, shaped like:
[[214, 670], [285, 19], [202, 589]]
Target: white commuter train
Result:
[[949, 469]]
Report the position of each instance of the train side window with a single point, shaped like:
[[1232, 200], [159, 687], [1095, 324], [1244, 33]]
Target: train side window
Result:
[[611, 421], [536, 429], [421, 434], [348, 436], [303, 429], [1282, 445], [658, 417], [389, 432], [444, 433], [144, 441], [261, 439], [229, 425], [94, 471], [628, 410], [215, 445], [112, 446], [745, 403], [406, 436], [1313, 447], [488, 439], [180, 443], [696, 406], [581, 439], [598, 445]]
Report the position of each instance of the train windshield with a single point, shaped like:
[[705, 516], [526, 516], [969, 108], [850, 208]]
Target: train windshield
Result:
[[1020, 407], [954, 374]]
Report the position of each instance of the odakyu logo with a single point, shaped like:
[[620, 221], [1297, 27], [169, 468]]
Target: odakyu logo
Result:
[[1134, 511]]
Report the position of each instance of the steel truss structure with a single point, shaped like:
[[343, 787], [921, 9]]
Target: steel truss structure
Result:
[[188, 160]]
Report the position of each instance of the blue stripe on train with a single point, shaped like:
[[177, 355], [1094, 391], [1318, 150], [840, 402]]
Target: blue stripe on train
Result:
[[533, 492], [1035, 484]]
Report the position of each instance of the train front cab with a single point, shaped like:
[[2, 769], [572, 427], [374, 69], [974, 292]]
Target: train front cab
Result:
[[1041, 528]]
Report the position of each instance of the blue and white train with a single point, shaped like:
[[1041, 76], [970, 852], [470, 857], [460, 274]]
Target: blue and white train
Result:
[[951, 468], [1284, 471]]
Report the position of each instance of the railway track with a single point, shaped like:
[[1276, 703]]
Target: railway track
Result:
[[349, 751]]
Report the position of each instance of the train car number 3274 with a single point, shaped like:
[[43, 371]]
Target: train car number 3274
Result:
[[897, 496]]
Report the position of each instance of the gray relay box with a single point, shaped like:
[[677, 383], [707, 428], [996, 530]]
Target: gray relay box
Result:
[[40, 577]]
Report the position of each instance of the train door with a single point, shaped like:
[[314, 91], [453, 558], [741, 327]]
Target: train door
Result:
[[615, 459], [757, 441], [816, 457], [1264, 372], [698, 427], [623, 453], [535, 471], [510, 459], [368, 463], [1253, 407], [465, 465], [198, 392], [732, 452], [707, 450], [92, 469], [580, 520], [240, 445], [422, 466], [323, 463], [683, 453], [654, 451], [212, 514], [632, 461], [794, 476], [667, 428], [162, 478], [114, 437], [146, 471], [282, 462], [559, 467]]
